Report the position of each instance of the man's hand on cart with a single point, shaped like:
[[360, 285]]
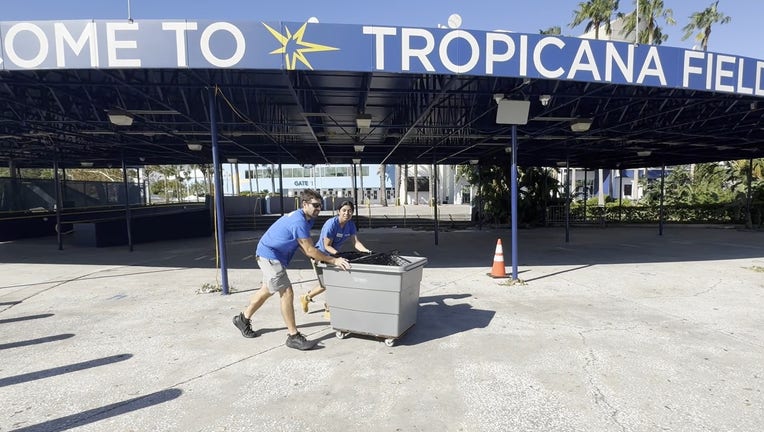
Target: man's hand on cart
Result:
[[341, 263]]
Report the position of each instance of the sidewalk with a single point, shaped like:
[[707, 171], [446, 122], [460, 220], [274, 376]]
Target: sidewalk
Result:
[[619, 330]]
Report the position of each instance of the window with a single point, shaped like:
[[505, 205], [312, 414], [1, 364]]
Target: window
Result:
[[423, 184]]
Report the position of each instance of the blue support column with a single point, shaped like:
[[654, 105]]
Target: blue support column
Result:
[[128, 217], [355, 194], [435, 196], [586, 192], [59, 201], [567, 200], [479, 197], [513, 195], [281, 190], [663, 191], [218, 176], [748, 196]]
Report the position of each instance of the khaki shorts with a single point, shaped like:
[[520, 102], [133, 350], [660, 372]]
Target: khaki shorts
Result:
[[274, 275], [319, 272]]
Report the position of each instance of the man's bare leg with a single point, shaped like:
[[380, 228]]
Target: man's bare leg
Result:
[[287, 310], [257, 300]]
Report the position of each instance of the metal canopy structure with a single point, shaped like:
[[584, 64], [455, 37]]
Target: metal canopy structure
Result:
[[303, 116]]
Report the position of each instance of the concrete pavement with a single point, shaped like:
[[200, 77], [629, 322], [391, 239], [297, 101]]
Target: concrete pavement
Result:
[[619, 330]]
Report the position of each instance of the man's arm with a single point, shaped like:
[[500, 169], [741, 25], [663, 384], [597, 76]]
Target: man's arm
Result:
[[309, 250]]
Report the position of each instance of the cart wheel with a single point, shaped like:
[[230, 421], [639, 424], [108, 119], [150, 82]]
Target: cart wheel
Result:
[[340, 334], [389, 342]]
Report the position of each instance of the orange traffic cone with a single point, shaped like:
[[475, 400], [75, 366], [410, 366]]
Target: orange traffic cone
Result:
[[498, 271]]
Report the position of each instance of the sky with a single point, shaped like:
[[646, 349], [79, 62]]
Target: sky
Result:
[[740, 37]]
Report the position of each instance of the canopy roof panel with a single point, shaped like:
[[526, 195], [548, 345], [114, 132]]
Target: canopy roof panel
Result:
[[297, 115]]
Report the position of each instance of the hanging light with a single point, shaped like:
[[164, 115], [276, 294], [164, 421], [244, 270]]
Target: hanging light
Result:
[[120, 117], [363, 121], [581, 125]]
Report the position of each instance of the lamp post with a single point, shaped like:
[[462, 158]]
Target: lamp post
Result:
[[512, 112]]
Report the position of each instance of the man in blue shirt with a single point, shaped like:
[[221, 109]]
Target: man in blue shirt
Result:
[[274, 252]]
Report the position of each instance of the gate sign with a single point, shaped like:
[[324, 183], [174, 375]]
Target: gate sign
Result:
[[37, 45]]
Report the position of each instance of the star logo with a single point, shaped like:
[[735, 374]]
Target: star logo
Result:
[[294, 48]]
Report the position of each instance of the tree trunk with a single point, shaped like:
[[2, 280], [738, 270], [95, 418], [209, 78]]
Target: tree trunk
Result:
[[257, 179], [273, 180], [382, 186], [416, 184]]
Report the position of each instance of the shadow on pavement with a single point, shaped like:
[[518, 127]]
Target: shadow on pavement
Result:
[[10, 303], [36, 341], [437, 319], [32, 376], [104, 412], [25, 318]]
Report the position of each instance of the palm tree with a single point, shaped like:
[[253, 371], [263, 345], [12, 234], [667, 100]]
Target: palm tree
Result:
[[257, 179], [272, 172], [649, 13], [554, 30], [597, 13], [702, 22]]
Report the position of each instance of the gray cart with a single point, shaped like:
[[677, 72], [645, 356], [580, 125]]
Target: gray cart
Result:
[[376, 300]]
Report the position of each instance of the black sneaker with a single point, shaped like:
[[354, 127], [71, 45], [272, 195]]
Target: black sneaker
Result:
[[242, 324], [298, 341]]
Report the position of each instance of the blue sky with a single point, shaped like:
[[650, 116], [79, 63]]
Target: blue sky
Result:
[[740, 37]]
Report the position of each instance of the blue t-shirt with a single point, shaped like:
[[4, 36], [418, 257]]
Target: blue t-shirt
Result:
[[280, 240], [334, 231]]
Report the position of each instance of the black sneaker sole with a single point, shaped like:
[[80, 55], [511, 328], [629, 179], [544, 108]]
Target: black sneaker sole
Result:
[[311, 344]]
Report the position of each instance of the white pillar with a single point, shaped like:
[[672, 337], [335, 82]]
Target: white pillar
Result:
[[404, 183], [635, 185], [601, 192]]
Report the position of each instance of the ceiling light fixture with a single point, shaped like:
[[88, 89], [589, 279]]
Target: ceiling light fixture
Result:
[[194, 146], [358, 148], [86, 164], [474, 161], [581, 125], [232, 160], [561, 163], [544, 99], [356, 160], [363, 121], [120, 117], [644, 153]]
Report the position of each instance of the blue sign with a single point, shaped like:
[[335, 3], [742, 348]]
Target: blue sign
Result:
[[39, 45]]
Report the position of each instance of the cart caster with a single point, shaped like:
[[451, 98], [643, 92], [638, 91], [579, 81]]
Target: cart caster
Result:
[[341, 334], [390, 342]]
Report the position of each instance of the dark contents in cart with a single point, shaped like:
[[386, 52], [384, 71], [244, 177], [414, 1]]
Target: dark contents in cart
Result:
[[391, 258]]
